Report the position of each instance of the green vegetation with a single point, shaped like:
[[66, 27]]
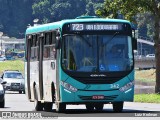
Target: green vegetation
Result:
[[145, 75], [15, 15], [141, 12], [147, 98], [12, 65]]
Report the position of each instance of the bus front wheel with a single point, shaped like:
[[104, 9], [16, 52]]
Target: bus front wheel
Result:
[[117, 106], [2, 104], [89, 107], [20, 92], [99, 106], [60, 107], [48, 106]]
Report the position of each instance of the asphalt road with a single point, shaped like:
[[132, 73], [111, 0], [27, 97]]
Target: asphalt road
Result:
[[19, 102]]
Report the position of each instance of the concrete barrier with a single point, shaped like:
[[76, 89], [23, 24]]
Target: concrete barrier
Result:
[[145, 63]]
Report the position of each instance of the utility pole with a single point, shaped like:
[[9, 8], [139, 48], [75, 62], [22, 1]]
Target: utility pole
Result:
[[1, 34]]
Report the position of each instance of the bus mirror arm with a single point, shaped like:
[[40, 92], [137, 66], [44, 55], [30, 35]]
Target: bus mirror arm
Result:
[[134, 39], [58, 39], [134, 43]]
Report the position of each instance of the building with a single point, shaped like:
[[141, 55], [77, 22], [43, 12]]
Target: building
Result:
[[11, 44]]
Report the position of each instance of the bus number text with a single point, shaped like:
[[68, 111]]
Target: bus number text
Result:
[[114, 86]]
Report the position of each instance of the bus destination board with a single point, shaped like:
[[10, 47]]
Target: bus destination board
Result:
[[94, 27]]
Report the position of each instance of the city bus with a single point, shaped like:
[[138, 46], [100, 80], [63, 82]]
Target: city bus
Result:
[[70, 62]]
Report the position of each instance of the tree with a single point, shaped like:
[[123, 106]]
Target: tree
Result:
[[130, 8], [51, 11], [14, 17], [92, 6], [41, 10], [145, 25]]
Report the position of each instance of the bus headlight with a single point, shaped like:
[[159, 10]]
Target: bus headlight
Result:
[[127, 86], [68, 86]]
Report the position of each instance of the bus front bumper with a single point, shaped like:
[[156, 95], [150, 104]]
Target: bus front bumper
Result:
[[82, 96]]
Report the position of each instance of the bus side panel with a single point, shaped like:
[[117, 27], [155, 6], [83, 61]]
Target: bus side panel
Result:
[[49, 77], [28, 92], [34, 77]]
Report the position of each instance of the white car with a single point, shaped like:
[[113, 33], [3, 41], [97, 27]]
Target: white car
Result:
[[151, 55], [2, 58], [14, 79]]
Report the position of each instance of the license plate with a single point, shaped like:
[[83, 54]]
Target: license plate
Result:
[[97, 97], [15, 86]]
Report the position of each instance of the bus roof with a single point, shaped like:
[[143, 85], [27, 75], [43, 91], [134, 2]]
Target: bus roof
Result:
[[59, 24]]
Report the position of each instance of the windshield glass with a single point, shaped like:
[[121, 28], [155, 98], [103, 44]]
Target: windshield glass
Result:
[[13, 75], [97, 53]]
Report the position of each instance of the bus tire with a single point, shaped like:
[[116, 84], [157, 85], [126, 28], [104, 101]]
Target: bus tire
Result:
[[2, 104], [60, 107], [89, 107], [20, 92], [117, 106], [48, 106], [99, 106], [38, 105]]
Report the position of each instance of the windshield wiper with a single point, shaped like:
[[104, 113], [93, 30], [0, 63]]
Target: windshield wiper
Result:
[[83, 38], [114, 35], [80, 37]]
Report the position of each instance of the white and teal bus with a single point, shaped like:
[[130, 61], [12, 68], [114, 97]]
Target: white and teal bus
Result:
[[71, 62]]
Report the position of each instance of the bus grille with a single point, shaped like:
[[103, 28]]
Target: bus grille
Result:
[[98, 80], [109, 98]]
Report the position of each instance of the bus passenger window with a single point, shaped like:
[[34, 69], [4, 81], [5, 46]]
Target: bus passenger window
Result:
[[46, 52], [53, 38], [34, 48], [52, 52], [32, 53], [47, 39]]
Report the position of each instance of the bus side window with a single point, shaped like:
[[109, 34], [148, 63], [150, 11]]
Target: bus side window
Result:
[[34, 48], [45, 53], [46, 46], [49, 45], [52, 45], [28, 47], [53, 38]]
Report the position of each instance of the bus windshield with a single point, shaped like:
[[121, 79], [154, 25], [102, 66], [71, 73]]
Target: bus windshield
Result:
[[97, 53]]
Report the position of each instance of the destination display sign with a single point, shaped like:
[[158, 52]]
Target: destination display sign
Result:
[[95, 26]]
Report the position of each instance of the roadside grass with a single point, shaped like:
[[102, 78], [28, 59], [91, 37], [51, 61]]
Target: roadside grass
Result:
[[12, 65], [145, 75], [147, 98]]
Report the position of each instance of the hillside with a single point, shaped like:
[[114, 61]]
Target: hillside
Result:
[[15, 15]]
